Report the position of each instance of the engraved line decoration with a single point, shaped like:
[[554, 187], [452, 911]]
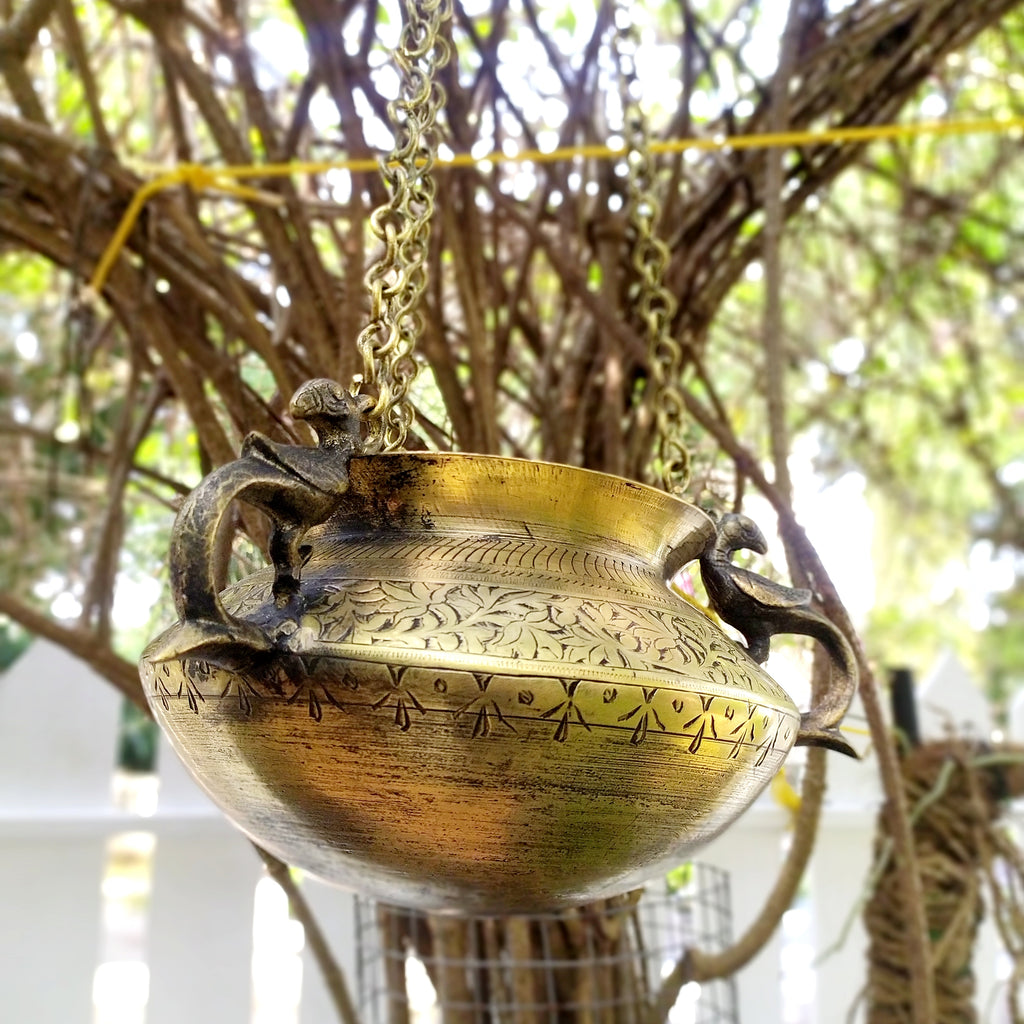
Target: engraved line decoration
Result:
[[488, 705], [511, 554]]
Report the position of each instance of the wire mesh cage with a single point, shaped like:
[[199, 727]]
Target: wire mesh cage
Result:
[[604, 963]]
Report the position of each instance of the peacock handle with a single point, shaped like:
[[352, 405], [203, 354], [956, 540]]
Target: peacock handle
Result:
[[760, 608], [297, 486]]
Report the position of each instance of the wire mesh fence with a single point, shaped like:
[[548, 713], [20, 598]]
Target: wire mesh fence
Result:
[[599, 964]]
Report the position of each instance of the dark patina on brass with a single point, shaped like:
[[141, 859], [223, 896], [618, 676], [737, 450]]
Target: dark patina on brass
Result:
[[759, 608], [466, 681]]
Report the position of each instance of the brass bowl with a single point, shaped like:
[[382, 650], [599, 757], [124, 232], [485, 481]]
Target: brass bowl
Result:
[[479, 693], [492, 699]]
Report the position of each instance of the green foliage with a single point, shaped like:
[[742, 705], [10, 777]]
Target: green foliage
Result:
[[903, 288], [1002, 645], [681, 878], [138, 741], [13, 642]]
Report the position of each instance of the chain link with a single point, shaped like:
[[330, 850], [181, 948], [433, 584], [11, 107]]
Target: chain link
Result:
[[654, 303], [399, 276]]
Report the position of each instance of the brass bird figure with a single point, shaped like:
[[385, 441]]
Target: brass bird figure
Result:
[[296, 485], [760, 608]]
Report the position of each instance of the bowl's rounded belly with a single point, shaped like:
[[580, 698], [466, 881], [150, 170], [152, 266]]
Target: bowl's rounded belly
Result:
[[461, 788], [443, 736]]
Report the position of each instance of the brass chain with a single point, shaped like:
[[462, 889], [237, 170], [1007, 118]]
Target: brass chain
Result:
[[654, 302], [398, 278]]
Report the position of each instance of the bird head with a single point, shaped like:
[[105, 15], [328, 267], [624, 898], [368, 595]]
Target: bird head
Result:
[[739, 532], [331, 410]]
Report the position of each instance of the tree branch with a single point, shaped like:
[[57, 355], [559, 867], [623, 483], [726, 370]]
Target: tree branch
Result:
[[773, 328], [918, 941], [118, 671], [18, 35], [334, 977]]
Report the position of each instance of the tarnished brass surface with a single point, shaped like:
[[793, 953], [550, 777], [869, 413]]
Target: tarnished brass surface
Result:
[[493, 699], [471, 686]]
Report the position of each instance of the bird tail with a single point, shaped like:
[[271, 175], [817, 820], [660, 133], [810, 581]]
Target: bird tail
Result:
[[819, 727]]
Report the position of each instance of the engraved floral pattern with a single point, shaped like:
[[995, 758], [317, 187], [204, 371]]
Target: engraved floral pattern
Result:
[[644, 714], [484, 709], [489, 620]]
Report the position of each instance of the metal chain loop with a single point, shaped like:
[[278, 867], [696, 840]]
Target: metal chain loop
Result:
[[654, 303], [399, 276]]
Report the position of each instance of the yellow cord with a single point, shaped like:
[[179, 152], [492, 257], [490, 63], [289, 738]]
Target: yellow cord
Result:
[[784, 794], [198, 178], [225, 179]]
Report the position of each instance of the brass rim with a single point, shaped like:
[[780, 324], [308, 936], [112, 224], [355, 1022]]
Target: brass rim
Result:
[[659, 527]]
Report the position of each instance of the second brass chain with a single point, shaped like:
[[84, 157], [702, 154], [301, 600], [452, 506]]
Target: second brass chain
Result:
[[654, 303]]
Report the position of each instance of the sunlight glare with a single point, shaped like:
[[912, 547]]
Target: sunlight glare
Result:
[[1012, 473], [65, 606], [839, 523], [547, 140], [323, 114], [847, 355], [685, 1009], [281, 52], [420, 992], [934, 106], [277, 943], [734, 32], [387, 81], [134, 600], [120, 992], [68, 432], [27, 346]]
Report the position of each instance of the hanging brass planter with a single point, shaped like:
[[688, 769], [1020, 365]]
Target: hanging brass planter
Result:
[[479, 691]]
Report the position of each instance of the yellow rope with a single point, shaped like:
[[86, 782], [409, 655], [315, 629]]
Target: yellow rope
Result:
[[225, 179]]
